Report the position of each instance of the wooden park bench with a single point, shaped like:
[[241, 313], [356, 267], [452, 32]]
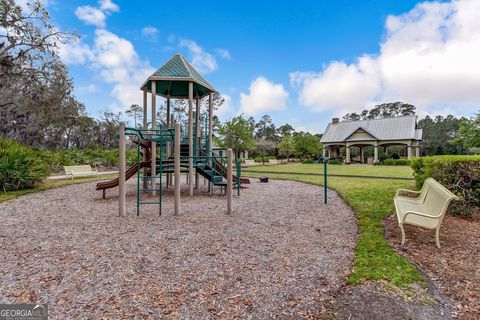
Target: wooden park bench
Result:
[[80, 171], [250, 163], [273, 161], [425, 208]]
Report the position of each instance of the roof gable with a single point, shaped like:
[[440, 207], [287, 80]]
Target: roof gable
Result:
[[361, 134]]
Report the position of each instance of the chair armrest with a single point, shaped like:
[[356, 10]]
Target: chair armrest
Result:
[[400, 191], [419, 214]]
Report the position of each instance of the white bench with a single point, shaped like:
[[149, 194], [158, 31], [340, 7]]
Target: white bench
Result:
[[250, 163], [273, 161], [80, 171], [425, 208]]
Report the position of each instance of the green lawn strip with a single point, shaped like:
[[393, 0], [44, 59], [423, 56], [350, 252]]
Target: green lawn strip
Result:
[[50, 184], [347, 170], [371, 199]]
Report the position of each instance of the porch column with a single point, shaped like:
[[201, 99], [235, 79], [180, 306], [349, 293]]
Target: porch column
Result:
[[324, 152], [190, 138], [197, 136], [417, 151], [210, 134], [361, 154], [347, 153], [154, 145], [409, 152], [210, 125], [168, 144], [145, 125], [375, 154]]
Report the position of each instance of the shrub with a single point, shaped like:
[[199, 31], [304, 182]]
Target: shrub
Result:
[[460, 174], [382, 157], [265, 158], [396, 162], [20, 167], [306, 161], [334, 161]]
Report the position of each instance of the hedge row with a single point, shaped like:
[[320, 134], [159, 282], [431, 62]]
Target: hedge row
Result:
[[394, 162], [94, 157], [21, 167], [460, 174]]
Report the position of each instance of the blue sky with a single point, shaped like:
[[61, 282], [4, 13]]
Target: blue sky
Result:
[[302, 62]]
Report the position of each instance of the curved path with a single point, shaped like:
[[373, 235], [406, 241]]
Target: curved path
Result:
[[279, 255]]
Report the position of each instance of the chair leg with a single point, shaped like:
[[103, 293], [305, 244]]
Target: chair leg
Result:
[[437, 237], [403, 234]]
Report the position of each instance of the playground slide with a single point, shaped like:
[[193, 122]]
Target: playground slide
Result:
[[128, 174]]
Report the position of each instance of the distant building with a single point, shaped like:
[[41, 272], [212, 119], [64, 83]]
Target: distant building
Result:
[[376, 133]]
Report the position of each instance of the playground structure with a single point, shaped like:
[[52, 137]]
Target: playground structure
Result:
[[173, 147]]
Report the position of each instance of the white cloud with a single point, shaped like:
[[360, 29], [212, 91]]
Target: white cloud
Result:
[[223, 53], [429, 58], [96, 16], [118, 63], [108, 5], [264, 96], [75, 52], [200, 59], [150, 33], [90, 88], [226, 107], [115, 61], [90, 15]]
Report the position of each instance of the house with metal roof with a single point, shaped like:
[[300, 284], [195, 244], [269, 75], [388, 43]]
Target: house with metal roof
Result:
[[374, 133]]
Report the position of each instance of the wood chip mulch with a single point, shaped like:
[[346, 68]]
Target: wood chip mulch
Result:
[[455, 268], [281, 254]]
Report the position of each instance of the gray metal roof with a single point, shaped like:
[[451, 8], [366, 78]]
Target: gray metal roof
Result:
[[399, 128]]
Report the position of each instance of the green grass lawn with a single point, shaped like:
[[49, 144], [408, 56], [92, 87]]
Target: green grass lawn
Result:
[[372, 200], [50, 184], [353, 170]]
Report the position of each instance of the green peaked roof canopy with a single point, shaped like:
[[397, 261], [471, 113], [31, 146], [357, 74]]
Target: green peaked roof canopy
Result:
[[173, 78]]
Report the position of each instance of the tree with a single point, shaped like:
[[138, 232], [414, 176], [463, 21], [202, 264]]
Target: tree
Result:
[[441, 135], [470, 131], [28, 48], [286, 146], [180, 106], [306, 145], [266, 129], [236, 134], [385, 110], [285, 130], [263, 146], [136, 112]]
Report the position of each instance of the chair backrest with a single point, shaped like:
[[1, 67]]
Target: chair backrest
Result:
[[426, 185], [437, 198]]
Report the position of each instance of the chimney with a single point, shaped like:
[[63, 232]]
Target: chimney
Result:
[[335, 120]]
